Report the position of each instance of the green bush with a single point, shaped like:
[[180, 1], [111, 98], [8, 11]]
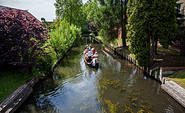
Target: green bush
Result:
[[61, 39]]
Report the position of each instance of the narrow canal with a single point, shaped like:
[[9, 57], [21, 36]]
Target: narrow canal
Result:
[[116, 86]]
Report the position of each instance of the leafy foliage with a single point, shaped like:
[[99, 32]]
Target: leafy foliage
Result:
[[63, 36], [82, 20], [68, 10], [163, 21], [109, 19], [21, 39], [150, 21], [91, 10], [61, 39], [72, 11], [137, 34]]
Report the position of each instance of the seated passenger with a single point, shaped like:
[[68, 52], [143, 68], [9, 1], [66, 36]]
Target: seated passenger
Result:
[[93, 62], [89, 56], [93, 51], [90, 47], [85, 51], [95, 55]]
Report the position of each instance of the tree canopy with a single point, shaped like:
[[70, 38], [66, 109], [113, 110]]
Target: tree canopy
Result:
[[68, 10], [109, 19], [149, 22]]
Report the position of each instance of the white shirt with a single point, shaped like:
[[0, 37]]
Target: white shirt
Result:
[[89, 53]]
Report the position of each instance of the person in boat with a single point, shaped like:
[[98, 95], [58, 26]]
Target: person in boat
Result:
[[95, 55], [85, 51], [94, 59], [93, 51], [90, 47], [86, 47], [89, 56], [86, 57]]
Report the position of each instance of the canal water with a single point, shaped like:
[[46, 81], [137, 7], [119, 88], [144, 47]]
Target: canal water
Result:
[[116, 86]]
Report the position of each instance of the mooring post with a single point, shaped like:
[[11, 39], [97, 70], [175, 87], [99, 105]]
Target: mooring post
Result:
[[161, 74], [155, 74], [150, 72], [147, 69], [164, 81]]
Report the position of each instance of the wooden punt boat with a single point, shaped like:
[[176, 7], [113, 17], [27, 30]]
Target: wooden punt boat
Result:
[[94, 62]]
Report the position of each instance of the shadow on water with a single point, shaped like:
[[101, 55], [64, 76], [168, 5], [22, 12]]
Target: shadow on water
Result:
[[116, 86]]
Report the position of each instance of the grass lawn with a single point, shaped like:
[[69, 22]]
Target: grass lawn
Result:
[[168, 51], [179, 78], [9, 82]]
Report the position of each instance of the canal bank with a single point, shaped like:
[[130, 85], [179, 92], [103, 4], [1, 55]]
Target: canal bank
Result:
[[12, 102], [170, 87], [117, 85], [19, 96]]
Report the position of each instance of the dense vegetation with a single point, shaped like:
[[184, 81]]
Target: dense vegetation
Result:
[[27, 47], [73, 12], [108, 21], [108, 16], [61, 39], [21, 40], [148, 23]]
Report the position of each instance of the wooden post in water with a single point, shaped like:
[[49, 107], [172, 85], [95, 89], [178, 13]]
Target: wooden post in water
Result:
[[147, 70], [156, 75], [161, 74], [150, 72]]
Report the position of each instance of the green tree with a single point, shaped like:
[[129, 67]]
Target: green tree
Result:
[[148, 23], [137, 32], [109, 19], [82, 20], [61, 39], [123, 21], [63, 36], [68, 10], [91, 10]]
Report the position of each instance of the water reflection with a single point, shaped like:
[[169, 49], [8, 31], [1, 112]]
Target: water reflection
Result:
[[116, 86]]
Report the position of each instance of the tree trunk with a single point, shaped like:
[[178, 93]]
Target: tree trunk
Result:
[[123, 23], [155, 46], [71, 13], [152, 50], [71, 17]]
